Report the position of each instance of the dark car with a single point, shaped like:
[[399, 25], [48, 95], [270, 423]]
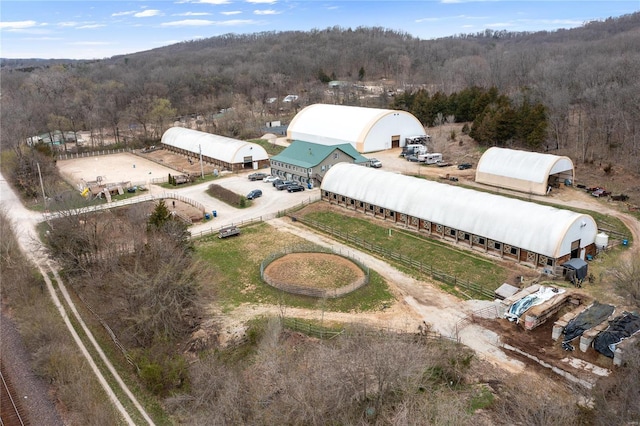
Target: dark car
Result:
[[257, 176], [254, 194], [464, 166], [295, 187], [413, 158], [283, 184]]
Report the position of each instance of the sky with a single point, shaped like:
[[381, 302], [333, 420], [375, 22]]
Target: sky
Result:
[[80, 29]]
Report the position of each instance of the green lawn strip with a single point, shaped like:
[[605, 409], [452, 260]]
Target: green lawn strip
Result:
[[271, 148], [237, 269], [430, 252], [207, 178], [117, 360]]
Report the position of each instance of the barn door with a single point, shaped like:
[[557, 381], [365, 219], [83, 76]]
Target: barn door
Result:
[[575, 249], [395, 141]]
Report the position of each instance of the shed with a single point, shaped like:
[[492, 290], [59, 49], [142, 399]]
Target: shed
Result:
[[367, 129], [523, 171], [227, 153], [578, 267], [510, 228]]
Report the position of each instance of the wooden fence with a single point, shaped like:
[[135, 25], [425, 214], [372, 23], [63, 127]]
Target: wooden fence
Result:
[[309, 291], [72, 156], [467, 288]]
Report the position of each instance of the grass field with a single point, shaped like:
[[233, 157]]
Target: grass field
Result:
[[235, 279], [437, 254]]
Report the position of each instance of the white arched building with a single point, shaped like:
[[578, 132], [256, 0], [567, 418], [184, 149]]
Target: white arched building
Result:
[[367, 129], [526, 232], [224, 152], [529, 172]]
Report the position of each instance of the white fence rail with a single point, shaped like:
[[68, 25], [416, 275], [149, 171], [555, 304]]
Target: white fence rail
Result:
[[127, 202]]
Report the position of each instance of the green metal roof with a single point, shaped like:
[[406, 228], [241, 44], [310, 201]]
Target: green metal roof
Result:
[[308, 154]]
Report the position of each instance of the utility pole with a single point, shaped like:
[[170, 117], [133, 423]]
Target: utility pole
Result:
[[44, 197]]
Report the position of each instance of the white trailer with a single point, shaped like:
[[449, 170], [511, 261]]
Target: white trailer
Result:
[[430, 158]]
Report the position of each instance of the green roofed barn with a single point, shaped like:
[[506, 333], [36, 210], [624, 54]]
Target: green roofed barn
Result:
[[307, 162]]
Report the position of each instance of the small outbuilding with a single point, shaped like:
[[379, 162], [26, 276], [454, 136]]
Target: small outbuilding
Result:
[[576, 270], [366, 129], [307, 162], [226, 153], [523, 171]]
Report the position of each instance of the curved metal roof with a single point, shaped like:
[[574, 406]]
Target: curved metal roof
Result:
[[521, 170], [335, 124], [221, 148], [531, 226]]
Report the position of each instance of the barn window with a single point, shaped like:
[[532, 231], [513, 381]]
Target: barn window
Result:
[[371, 207], [381, 210], [452, 232], [497, 245], [336, 155], [549, 262], [361, 204], [352, 202], [514, 250], [335, 196], [342, 199], [467, 237], [481, 240]]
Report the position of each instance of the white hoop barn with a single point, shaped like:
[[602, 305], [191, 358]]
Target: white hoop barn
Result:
[[367, 129], [526, 232]]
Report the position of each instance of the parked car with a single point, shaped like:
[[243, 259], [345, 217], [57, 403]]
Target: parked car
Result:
[[283, 184], [601, 192], [254, 194], [375, 163], [229, 231], [270, 178], [295, 187], [257, 176], [464, 166], [442, 164], [412, 158]]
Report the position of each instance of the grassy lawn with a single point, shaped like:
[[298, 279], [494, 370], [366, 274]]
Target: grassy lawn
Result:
[[235, 278], [272, 149], [438, 254]]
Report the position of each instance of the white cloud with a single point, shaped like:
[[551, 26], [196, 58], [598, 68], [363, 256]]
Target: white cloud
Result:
[[192, 14], [90, 43], [213, 1], [206, 22], [90, 26], [266, 12], [18, 25], [147, 13], [232, 12], [128, 12], [188, 23], [262, 1], [68, 24]]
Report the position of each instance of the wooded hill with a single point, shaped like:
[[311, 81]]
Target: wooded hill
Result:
[[586, 79]]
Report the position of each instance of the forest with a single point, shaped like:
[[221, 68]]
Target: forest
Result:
[[582, 83]]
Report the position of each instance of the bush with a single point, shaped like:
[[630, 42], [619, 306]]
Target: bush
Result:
[[227, 196]]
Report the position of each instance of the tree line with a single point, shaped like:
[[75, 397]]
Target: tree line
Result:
[[583, 80]]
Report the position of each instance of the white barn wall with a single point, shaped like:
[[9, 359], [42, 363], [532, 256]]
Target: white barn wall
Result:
[[366, 129]]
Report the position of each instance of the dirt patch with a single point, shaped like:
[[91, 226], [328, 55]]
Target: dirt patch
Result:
[[314, 270]]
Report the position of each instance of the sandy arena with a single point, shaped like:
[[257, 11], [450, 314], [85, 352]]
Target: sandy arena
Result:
[[124, 167]]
